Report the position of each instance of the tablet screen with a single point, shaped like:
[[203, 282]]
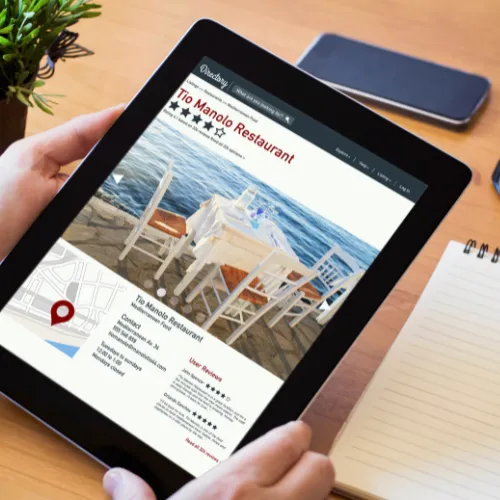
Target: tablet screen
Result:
[[196, 278]]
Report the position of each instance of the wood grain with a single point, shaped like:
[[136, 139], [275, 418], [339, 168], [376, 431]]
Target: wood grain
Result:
[[132, 38]]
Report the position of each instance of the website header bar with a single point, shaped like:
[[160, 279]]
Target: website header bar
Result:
[[313, 131]]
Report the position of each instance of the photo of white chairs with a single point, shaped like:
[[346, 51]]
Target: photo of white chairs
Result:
[[249, 268], [334, 279], [157, 226], [246, 264], [240, 295]]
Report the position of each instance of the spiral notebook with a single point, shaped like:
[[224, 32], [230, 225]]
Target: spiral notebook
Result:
[[428, 425]]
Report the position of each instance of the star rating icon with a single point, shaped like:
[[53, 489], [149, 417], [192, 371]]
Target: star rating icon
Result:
[[196, 119], [219, 132], [204, 420], [217, 392]]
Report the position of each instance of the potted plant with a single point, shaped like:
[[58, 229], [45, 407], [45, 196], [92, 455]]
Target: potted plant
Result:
[[28, 29]]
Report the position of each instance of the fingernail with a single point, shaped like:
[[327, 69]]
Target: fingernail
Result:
[[111, 481]]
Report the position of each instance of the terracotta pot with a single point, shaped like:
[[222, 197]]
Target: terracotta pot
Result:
[[12, 122]]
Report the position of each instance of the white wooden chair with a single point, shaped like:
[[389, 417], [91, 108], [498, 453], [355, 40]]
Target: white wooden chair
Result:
[[348, 286], [334, 280], [156, 225], [243, 297]]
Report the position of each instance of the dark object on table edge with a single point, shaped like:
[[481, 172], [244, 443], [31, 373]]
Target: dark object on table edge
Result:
[[495, 177], [63, 47]]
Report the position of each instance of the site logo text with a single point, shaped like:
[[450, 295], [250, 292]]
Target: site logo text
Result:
[[214, 76]]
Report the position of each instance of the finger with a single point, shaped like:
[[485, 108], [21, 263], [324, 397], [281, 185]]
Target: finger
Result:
[[268, 458], [60, 180], [120, 484], [69, 142], [311, 477]]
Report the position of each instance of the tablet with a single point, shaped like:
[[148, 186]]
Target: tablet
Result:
[[212, 259]]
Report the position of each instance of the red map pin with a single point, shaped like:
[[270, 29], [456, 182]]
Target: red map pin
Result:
[[61, 312]]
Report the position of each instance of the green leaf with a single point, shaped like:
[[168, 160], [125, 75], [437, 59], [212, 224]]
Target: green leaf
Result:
[[74, 7], [3, 16], [48, 102], [49, 9], [37, 83], [63, 4], [64, 20], [54, 33], [40, 5], [23, 99], [89, 6], [30, 52], [4, 42], [8, 57], [22, 77], [30, 36], [6, 30], [27, 27], [88, 15]]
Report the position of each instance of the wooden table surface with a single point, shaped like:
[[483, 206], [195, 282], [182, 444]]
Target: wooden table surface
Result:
[[130, 40]]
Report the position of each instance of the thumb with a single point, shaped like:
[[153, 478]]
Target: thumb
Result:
[[71, 141], [120, 484]]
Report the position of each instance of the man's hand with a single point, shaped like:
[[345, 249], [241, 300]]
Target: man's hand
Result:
[[30, 170], [278, 466]]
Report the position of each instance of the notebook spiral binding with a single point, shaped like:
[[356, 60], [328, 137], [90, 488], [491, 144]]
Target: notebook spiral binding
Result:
[[483, 249]]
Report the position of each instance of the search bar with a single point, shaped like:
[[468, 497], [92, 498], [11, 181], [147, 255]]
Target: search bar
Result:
[[262, 105]]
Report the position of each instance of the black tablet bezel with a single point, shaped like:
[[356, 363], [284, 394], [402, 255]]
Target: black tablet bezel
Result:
[[445, 177]]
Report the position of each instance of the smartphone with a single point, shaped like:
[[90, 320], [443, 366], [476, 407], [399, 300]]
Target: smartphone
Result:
[[412, 85]]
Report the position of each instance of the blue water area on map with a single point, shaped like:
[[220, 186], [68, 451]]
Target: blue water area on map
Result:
[[69, 350], [200, 173]]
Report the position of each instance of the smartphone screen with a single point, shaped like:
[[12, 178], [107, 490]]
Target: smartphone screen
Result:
[[393, 78]]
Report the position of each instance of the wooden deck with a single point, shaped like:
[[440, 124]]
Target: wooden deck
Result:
[[100, 230]]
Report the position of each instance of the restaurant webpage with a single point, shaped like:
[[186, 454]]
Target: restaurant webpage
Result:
[[199, 274]]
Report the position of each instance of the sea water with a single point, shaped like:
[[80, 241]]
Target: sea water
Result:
[[200, 173]]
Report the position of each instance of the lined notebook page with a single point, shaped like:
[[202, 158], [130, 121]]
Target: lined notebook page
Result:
[[428, 426]]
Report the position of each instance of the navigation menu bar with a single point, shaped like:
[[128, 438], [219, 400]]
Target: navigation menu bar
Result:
[[313, 131]]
